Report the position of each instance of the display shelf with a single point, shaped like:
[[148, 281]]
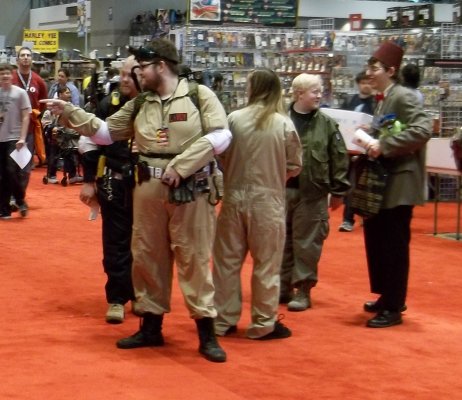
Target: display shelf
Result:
[[451, 41], [235, 51]]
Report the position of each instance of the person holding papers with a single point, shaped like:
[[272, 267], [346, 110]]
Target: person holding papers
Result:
[[15, 112], [399, 134], [363, 101]]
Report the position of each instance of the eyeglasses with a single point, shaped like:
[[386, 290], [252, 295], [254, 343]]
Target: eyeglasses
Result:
[[374, 68], [142, 67]]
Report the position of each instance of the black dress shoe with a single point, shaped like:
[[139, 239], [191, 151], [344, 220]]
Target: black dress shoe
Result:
[[375, 307], [384, 319]]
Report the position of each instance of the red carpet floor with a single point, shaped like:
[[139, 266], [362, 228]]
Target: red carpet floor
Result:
[[55, 345]]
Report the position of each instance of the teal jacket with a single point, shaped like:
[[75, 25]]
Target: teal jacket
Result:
[[325, 158]]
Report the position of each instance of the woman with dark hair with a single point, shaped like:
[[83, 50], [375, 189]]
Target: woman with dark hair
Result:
[[264, 152]]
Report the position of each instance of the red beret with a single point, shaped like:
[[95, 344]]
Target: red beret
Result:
[[389, 54]]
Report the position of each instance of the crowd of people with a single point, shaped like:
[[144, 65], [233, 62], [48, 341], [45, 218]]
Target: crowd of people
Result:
[[160, 151]]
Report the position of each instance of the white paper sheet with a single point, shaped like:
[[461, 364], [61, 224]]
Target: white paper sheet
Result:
[[349, 122], [22, 157]]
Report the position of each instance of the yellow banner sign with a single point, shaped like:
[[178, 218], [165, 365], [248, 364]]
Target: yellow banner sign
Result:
[[44, 41]]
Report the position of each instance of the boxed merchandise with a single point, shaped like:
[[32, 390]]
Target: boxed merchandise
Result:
[[425, 15], [392, 19], [408, 17]]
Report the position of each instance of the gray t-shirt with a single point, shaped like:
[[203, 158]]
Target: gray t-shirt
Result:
[[12, 103]]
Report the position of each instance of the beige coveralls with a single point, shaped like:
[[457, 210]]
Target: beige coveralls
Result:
[[252, 217], [164, 232]]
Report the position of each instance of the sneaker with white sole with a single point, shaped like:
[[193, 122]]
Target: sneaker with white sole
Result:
[[115, 313], [53, 180], [76, 179], [346, 227]]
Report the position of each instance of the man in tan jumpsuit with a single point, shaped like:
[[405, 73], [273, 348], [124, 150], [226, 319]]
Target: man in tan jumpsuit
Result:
[[175, 140]]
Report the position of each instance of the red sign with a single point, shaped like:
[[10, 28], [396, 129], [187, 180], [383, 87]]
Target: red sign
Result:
[[356, 22]]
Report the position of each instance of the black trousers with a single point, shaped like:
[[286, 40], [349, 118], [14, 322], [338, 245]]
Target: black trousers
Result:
[[387, 237], [117, 218], [11, 178]]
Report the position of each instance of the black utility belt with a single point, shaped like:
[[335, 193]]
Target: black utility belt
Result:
[[111, 174], [168, 156], [145, 172]]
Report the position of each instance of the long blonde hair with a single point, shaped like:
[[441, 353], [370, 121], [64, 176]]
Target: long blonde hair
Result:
[[265, 88]]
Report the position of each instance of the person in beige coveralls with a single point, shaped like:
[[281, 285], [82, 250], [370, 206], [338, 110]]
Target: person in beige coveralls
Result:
[[264, 152], [174, 140]]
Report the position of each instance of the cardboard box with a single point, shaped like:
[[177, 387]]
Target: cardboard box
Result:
[[392, 19], [425, 15], [408, 16]]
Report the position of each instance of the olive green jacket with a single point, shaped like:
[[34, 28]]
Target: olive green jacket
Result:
[[325, 159]]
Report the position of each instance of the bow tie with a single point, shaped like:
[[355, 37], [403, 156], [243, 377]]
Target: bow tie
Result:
[[379, 97]]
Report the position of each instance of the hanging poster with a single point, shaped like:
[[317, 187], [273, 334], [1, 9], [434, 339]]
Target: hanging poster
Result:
[[261, 12], [255, 12], [205, 10], [81, 18]]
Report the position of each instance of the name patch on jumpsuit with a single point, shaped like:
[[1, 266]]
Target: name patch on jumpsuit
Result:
[[178, 117]]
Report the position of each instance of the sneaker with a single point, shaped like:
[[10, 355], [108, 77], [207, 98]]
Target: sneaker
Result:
[[301, 299], [280, 332], [23, 210], [76, 179], [13, 206], [5, 216], [346, 227], [115, 314], [53, 179]]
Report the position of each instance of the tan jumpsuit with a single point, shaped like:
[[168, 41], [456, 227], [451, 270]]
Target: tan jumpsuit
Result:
[[252, 217], [164, 232]]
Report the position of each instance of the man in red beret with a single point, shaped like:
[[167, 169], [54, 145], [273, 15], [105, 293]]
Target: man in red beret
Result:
[[387, 235]]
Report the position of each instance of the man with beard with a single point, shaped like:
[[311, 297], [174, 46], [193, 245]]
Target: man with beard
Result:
[[173, 220]]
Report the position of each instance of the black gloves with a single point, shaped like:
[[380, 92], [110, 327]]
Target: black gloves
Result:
[[182, 194]]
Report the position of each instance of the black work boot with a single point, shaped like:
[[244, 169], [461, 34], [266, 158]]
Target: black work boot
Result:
[[208, 344], [150, 333]]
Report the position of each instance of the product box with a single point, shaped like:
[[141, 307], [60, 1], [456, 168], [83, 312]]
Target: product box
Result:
[[408, 16], [392, 19], [425, 15]]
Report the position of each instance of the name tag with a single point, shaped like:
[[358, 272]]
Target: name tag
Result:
[[179, 117]]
